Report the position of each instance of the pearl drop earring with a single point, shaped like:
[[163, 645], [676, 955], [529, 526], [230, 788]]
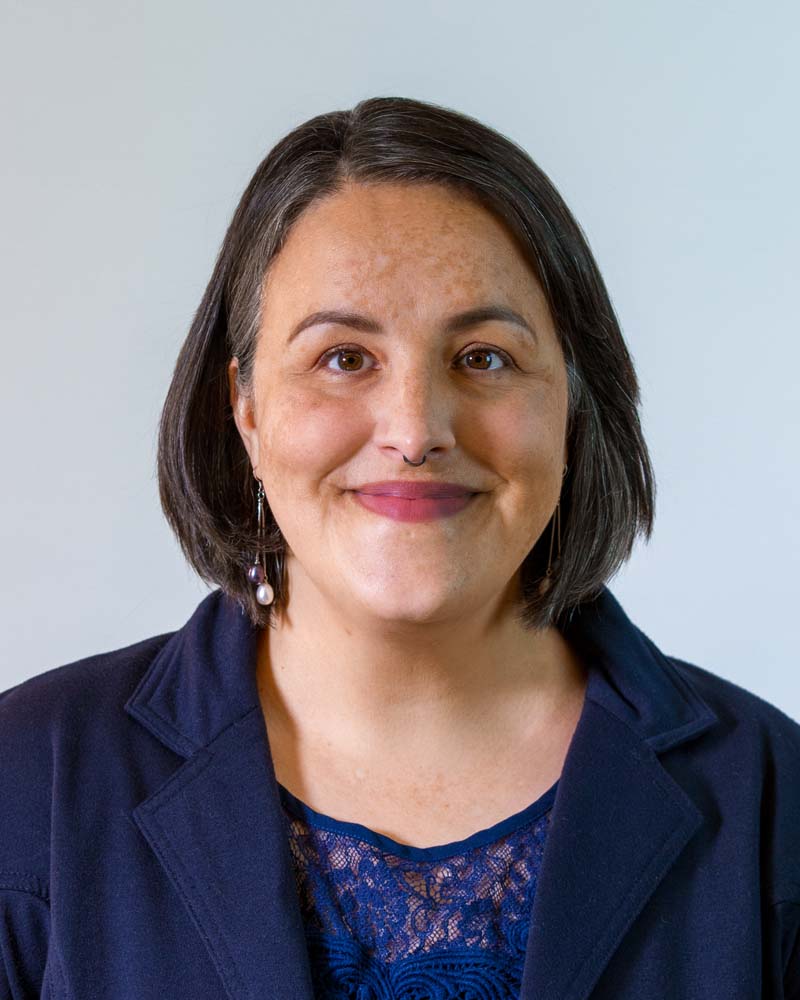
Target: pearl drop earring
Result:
[[257, 574]]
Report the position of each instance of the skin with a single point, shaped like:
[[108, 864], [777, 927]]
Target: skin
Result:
[[398, 676]]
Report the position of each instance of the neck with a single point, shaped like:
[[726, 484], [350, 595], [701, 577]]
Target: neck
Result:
[[355, 684]]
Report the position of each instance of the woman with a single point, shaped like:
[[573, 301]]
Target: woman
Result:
[[410, 746]]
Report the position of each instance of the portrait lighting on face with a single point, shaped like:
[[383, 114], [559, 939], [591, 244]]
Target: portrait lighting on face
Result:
[[429, 373]]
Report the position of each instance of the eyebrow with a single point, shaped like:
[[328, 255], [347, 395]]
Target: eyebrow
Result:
[[454, 324]]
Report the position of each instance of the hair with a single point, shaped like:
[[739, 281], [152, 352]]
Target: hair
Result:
[[206, 484]]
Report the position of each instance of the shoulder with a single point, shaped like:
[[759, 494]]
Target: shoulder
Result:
[[755, 754], [47, 723], [739, 707], [65, 698]]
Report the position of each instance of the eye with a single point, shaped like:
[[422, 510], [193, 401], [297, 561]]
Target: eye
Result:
[[349, 352], [350, 356], [483, 350]]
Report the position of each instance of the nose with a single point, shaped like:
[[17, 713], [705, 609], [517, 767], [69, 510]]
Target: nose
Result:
[[414, 416]]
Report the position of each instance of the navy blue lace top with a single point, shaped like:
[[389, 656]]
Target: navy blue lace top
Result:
[[387, 921]]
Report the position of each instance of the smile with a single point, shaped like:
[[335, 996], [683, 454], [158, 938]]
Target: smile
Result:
[[420, 509]]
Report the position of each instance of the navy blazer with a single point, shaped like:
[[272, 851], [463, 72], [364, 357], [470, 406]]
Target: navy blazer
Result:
[[144, 853]]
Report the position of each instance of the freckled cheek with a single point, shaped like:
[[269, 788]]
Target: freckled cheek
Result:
[[309, 435], [524, 445]]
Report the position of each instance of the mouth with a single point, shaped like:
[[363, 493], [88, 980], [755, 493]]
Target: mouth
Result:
[[403, 508], [415, 489]]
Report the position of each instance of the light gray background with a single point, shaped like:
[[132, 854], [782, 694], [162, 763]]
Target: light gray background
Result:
[[130, 131]]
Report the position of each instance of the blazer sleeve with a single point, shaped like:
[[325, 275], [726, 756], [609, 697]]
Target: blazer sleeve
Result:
[[25, 809], [786, 938], [24, 936]]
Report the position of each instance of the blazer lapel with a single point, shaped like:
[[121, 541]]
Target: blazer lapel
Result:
[[619, 821], [216, 824]]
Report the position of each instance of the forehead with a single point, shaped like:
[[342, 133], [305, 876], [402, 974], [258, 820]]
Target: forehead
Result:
[[403, 238]]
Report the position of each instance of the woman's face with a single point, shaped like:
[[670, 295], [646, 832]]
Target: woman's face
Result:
[[337, 405]]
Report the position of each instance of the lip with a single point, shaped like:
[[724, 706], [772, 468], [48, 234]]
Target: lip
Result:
[[415, 489], [425, 508]]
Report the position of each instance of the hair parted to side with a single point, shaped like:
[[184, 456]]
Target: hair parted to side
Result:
[[206, 484]]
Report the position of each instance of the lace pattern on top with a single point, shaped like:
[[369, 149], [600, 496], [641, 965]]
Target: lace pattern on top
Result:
[[386, 921]]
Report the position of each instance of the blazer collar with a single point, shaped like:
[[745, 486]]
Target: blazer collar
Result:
[[203, 678], [216, 826]]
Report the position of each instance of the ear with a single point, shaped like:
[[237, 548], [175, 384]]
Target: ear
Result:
[[243, 414]]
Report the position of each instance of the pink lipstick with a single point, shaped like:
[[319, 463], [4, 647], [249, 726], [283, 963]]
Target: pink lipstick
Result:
[[405, 500]]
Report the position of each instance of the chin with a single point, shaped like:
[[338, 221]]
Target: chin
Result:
[[408, 604]]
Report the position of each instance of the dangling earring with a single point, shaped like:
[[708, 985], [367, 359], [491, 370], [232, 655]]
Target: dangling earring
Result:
[[257, 573], [552, 567]]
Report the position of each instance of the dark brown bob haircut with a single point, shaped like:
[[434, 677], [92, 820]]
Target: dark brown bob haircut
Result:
[[206, 484]]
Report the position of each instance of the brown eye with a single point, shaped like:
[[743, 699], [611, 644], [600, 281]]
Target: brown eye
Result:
[[482, 358], [485, 356], [349, 359]]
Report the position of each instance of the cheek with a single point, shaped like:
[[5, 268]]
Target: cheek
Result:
[[306, 435], [526, 438]]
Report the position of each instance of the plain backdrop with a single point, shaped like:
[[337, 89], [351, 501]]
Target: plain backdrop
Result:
[[129, 132]]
